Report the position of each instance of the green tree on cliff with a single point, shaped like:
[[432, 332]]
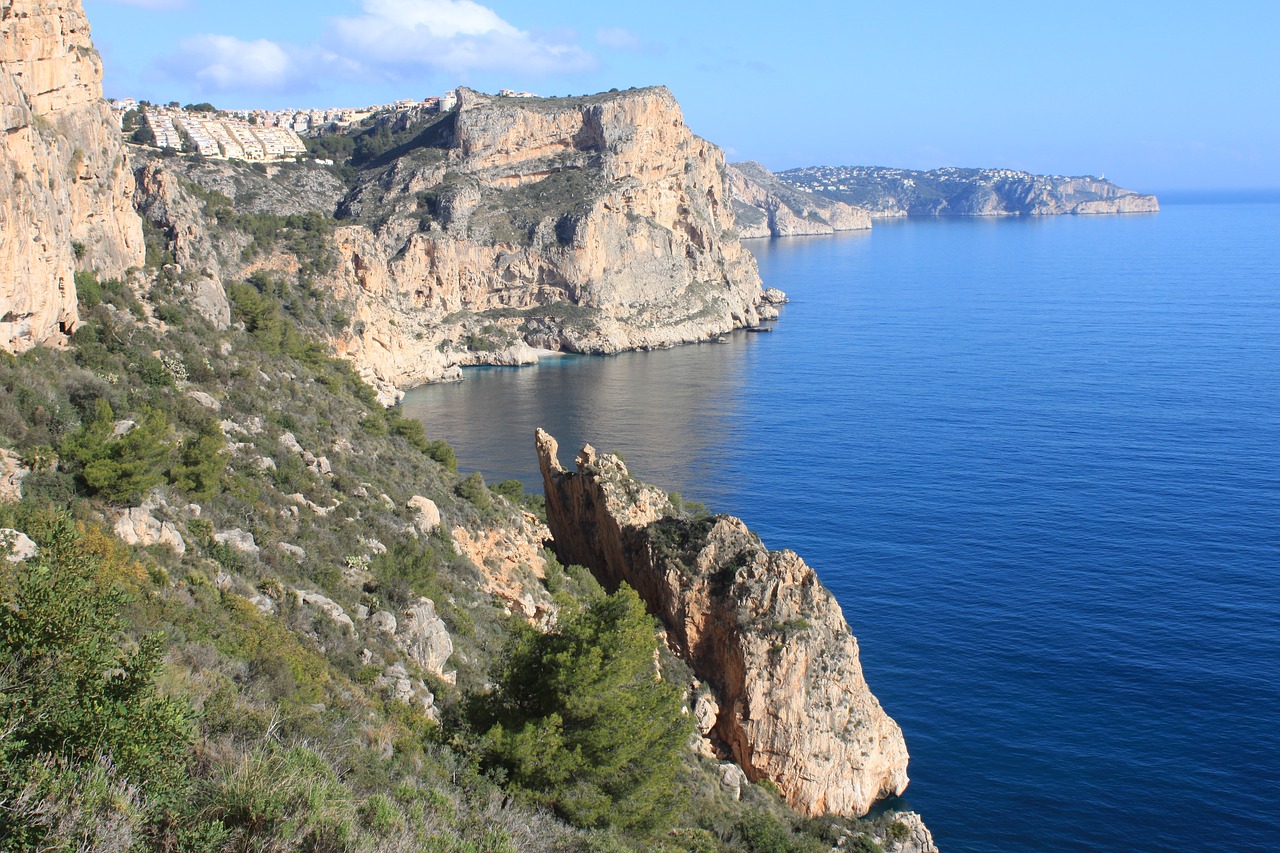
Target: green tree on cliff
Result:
[[581, 720]]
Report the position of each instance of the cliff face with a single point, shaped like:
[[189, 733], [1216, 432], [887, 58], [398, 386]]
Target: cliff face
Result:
[[593, 225], [966, 192], [790, 704], [767, 207], [65, 185], [581, 224]]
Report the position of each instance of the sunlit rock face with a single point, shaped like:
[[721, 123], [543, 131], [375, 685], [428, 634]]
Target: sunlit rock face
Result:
[[757, 626], [66, 188]]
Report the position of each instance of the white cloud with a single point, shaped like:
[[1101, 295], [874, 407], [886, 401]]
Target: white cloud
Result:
[[227, 64], [619, 39], [454, 36], [392, 39]]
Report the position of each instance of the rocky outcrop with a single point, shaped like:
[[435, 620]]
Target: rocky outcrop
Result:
[[887, 193], [790, 702], [12, 473], [511, 563], [422, 635], [139, 526], [426, 515], [65, 184], [16, 546], [767, 207], [589, 225]]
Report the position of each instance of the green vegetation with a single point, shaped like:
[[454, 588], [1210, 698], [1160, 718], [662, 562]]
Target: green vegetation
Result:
[[582, 723], [85, 736], [190, 695]]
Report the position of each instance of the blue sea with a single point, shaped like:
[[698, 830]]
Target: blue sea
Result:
[[1037, 461]]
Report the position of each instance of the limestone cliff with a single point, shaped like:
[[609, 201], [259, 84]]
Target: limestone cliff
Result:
[[791, 704], [65, 184], [954, 191], [767, 207], [507, 225], [590, 225]]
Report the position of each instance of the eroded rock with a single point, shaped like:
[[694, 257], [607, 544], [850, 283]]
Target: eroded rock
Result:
[[423, 636], [426, 515], [139, 526], [17, 546], [755, 624]]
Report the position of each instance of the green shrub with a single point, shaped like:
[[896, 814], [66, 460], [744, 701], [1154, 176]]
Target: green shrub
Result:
[[472, 489], [120, 468], [88, 291], [583, 723], [74, 696], [201, 463]]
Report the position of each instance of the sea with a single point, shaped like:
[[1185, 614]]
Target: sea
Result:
[[1037, 460]]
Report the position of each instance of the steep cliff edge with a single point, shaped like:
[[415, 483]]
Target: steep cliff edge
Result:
[[589, 225], [954, 191], [790, 702], [65, 185], [594, 225], [767, 207]]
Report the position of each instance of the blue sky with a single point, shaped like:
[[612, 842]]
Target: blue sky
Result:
[[1156, 96]]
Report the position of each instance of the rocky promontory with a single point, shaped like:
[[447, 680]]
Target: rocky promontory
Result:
[[506, 225], [65, 184], [887, 193], [786, 699], [767, 207]]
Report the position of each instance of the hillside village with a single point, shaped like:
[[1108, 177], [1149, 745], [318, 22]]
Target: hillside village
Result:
[[256, 135]]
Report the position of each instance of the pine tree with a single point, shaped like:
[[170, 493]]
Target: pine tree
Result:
[[584, 721]]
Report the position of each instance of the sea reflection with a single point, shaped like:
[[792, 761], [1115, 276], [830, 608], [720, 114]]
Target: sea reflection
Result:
[[669, 413]]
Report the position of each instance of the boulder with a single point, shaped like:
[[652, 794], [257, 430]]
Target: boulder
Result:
[[426, 515], [17, 546], [12, 473], [326, 606], [238, 540], [139, 526], [422, 635]]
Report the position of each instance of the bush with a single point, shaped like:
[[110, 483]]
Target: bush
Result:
[[472, 489], [583, 722], [120, 468], [76, 701]]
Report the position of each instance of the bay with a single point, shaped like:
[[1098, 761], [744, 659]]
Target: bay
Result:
[[1037, 461]]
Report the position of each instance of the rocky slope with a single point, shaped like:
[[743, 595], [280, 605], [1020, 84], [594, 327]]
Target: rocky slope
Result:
[[966, 192], [65, 184], [767, 207], [591, 225], [787, 701]]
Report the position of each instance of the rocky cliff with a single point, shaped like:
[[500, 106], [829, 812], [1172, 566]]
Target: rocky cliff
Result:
[[966, 192], [767, 207], [581, 224], [592, 225], [65, 185], [789, 702]]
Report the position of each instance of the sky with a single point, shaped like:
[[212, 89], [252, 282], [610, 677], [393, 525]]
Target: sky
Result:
[[1168, 95]]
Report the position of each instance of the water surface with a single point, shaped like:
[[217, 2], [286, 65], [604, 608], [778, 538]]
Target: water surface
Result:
[[1038, 462]]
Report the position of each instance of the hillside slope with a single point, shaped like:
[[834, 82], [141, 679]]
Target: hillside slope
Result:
[[966, 192]]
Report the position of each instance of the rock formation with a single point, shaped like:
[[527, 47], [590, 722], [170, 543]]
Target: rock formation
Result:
[[65, 184], [757, 626], [767, 207], [888, 193], [581, 224], [503, 227]]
